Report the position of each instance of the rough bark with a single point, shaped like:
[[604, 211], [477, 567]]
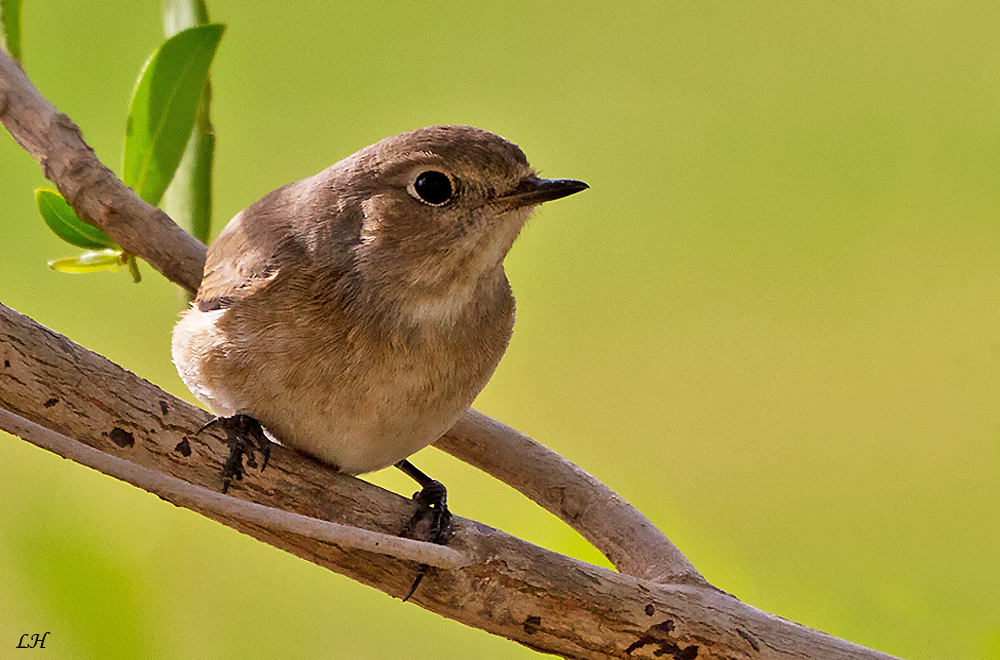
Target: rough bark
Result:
[[511, 588]]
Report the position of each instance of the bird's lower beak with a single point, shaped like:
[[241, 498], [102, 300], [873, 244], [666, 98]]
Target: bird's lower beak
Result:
[[534, 191]]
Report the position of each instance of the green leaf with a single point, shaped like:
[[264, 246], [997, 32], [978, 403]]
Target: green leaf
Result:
[[10, 27], [163, 109], [89, 262], [62, 219], [188, 199]]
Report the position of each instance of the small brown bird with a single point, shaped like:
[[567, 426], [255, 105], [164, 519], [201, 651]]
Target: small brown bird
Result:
[[357, 313]]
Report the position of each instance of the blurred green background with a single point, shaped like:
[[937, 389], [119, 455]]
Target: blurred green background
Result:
[[772, 324]]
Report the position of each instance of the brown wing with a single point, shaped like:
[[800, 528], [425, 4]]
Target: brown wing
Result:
[[247, 255], [303, 226], [236, 267]]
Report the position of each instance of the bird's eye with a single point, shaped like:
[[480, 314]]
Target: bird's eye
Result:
[[432, 187]]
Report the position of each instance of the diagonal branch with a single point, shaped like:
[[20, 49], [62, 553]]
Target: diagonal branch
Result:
[[96, 194], [658, 605], [627, 538], [510, 588], [190, 496]]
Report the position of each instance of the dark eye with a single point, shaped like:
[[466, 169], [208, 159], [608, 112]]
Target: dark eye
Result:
[[433, 187]]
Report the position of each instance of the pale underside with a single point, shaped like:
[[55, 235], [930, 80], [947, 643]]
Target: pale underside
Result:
[[357, 417]]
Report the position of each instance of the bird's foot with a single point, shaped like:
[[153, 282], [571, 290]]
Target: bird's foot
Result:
[[432, 500], [246, 438]]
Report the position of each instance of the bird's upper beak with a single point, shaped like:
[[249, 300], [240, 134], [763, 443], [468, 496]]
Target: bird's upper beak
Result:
[[534, 191]]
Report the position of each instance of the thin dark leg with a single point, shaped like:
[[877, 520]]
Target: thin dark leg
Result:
[[433, 499], [245, 437]]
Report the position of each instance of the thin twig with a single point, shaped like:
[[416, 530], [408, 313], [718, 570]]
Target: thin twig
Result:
[[629, 540]]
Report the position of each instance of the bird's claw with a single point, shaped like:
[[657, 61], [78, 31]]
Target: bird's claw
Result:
[[246, 438], [431, 499]]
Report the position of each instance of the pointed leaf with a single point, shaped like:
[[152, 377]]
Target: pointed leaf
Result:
[[188, 199], [62, 219], [10, 27], [89, 262], [163, 109]]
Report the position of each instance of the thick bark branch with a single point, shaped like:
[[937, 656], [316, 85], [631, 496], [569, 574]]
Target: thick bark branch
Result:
[[190, 496], [658, 605], [511, 588]]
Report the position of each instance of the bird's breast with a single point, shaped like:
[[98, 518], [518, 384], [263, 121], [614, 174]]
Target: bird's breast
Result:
[[360, 396]]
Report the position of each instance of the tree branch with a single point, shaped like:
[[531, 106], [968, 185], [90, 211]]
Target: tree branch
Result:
[[190, 496], [511, 588], [93, 191], [626, 537], [658, 605]]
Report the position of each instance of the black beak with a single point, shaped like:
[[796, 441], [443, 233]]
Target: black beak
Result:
[[535, 191]]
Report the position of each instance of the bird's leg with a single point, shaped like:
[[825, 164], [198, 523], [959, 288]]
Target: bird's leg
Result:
[[245, 437], [432, 498]]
